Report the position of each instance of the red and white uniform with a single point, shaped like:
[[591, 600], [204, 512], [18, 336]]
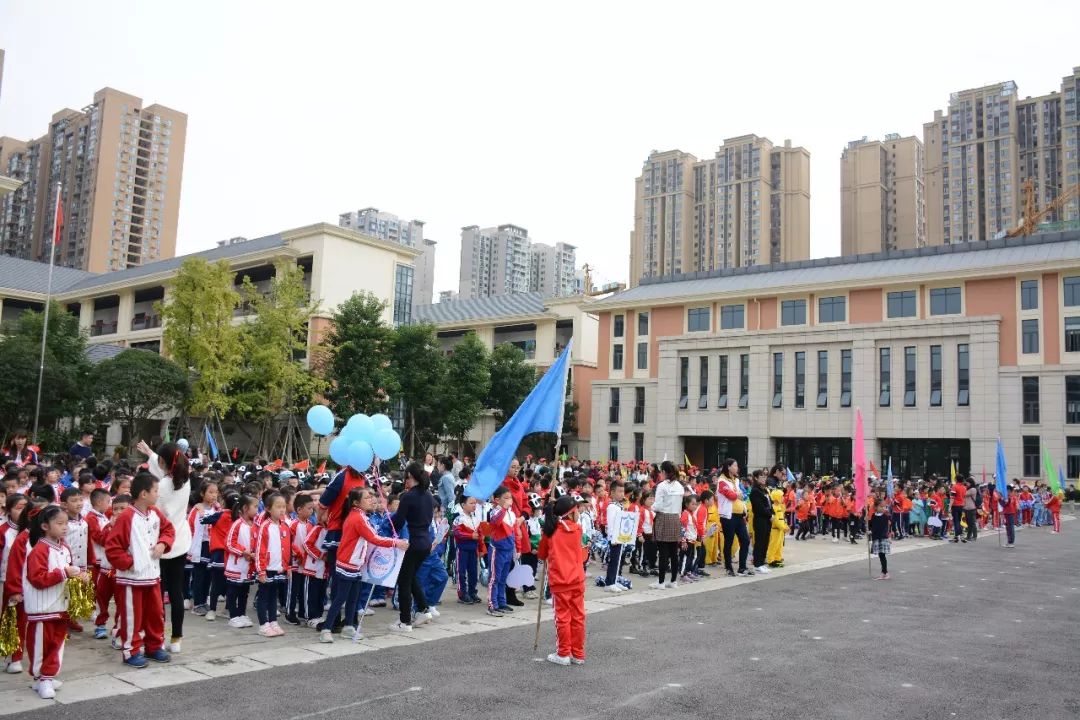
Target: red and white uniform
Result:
[[7, 539], [241, 540], [273, 549], [199, 533], [46, 604], [139, 612], [104, 579], [314, 561], [355, 538], [13, 582], [78, 541], [298, 534]]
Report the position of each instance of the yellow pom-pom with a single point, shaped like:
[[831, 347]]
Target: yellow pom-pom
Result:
[[80, 597], [9, 631]]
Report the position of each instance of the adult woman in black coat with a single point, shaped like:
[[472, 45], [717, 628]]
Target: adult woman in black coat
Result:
[[761, 504], [415, 511]]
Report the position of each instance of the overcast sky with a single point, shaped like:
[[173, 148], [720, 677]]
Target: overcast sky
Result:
[[466, 113]]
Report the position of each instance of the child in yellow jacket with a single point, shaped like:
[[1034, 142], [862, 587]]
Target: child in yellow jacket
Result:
[[775, 555]]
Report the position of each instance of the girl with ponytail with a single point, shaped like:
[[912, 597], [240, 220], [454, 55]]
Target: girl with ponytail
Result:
[[561, 548]]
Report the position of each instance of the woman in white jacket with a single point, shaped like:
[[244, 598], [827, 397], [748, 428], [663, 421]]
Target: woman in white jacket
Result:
[[170, 466], [667, 530]]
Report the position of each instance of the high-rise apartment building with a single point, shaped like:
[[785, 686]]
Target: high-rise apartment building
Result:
[[882, 202], [552, 269], [119, 166], [494, 261], [748, 205], [986, 146], [387, 226]]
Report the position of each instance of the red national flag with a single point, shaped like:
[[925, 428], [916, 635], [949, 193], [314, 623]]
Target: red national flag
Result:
[[302, 465], [58, 218], [322, 467]]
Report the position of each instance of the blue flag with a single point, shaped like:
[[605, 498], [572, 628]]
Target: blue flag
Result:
[[999, 471], [888, 481], [210, 443], [541, 411], [790, 476]]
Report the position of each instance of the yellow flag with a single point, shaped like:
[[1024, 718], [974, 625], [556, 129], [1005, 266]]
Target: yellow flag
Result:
[[687, 459], [952, 470]]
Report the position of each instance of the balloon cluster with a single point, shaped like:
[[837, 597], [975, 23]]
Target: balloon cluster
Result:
[[361, 440]]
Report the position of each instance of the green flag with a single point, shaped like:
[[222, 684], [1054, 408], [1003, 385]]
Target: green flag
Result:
[[1051, 475], [167, 438]]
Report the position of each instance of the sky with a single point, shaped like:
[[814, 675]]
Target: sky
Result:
[[540, 115]]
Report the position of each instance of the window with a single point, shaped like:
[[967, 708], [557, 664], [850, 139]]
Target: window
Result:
[[800, 379], [845, 378], [722, 374], [793, 312], [885, 377], [684, 382], [697, 319], [901, 304], [832, 309], [613, 407], [1072, 291], [1031, 456], [744, 381], [639, 446], [778, 380], [613, 446], [620, 321], [732, 317], [643, 356], [1072, 400], [1031, 401], [909, 377], [642, 324], [935, 376], [1072, 334], [403, 295], [823, 378], [639, 405], [1029, 295], [1072, 456], [1030, 336], [963, 376], [945, 301], [703, 380], [616, 356]]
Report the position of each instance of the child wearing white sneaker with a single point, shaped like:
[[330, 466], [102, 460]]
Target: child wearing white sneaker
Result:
[[273, 554], [561, 548], [614, 515], [238, 557]]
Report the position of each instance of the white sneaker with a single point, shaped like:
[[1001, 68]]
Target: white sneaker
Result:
[[762, 569], [56, 684], [577, 661], [14, 667], [246, 621], [348, 631], [326, 636], [611, 588], [187, 605], [237, 622], [836, 540], [558, 659], [210, 616], [45, 690], [174, 647], [266, 631], [671, 585], [657, 585], [314, 622], [435, 611], [116, 643], [401, 627], [421, 618], [549, 601]]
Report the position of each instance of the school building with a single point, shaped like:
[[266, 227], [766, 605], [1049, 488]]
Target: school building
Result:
[[944, 349]]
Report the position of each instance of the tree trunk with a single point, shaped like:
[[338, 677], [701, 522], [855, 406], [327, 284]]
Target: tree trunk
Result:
[[412, 432]]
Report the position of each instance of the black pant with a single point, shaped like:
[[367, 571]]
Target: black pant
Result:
[[172, 582], [648, 553], [408, 585], [735, 526], [884, 563], [762, 530], [957, 513], [533, 562], [669, 557], [973, 524]]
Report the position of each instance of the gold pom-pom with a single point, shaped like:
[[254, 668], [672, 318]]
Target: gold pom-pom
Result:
[[9, 631], [80, 597]]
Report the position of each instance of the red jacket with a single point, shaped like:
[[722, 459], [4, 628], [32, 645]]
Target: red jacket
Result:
[[219, 531], [355, 537], [262, 546], [1053, 504], [124, 539], [565, 556], [1011, 506], [500, 529], [517, 490], [16, 564]]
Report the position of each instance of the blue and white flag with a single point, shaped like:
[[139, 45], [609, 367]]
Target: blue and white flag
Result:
[[888, 480], [210, 443], [541, 411], [1000, 473]]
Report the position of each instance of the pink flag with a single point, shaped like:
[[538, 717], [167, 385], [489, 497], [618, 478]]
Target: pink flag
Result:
[[862, 488]]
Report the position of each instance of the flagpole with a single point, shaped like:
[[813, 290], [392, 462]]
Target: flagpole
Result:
[[48, 301]]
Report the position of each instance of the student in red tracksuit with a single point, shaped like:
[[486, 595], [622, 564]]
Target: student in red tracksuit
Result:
[[561, 549], [48, 566], [140, 536], [273, 555], [99, 525], [13, 578], [1053, 506]]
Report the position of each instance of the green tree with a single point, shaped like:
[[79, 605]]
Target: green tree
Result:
[[465, 392], [358, 350], [66, 369], [511, 381], [274, 380], [419, 369], [136, 385], [199, 333]]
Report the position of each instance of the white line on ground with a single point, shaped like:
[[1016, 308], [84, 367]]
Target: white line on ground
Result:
[[358, 703]]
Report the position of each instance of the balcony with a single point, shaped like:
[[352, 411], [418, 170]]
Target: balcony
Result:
[[101, 327], [145, 322]]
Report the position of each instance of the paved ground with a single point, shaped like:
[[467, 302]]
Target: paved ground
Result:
[[962, 631]]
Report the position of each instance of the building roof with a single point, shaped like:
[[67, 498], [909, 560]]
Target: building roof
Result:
[[941, 260], [33, 277], [98, 352], [496, 307]]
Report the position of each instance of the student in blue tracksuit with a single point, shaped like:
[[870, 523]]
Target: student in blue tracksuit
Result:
[[504, 524]]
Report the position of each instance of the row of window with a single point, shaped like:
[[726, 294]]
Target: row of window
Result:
[[639, 446], [642, 325], [963, 376], [1033, 466], [1031, 400]]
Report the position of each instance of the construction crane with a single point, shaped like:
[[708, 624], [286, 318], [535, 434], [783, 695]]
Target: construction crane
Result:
[[1032, 215], [605, 290]]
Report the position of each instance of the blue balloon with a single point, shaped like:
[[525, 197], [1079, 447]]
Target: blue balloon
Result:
[[360, 427], [339, 451], [360, 455], [381, 422], [386, 444], [320, 419]]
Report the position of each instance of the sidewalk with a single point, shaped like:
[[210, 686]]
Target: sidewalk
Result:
[[92, 669]]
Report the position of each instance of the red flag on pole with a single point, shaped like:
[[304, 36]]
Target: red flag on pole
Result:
[[862, 488], [322, 467], [58, 218], [302, 465]]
